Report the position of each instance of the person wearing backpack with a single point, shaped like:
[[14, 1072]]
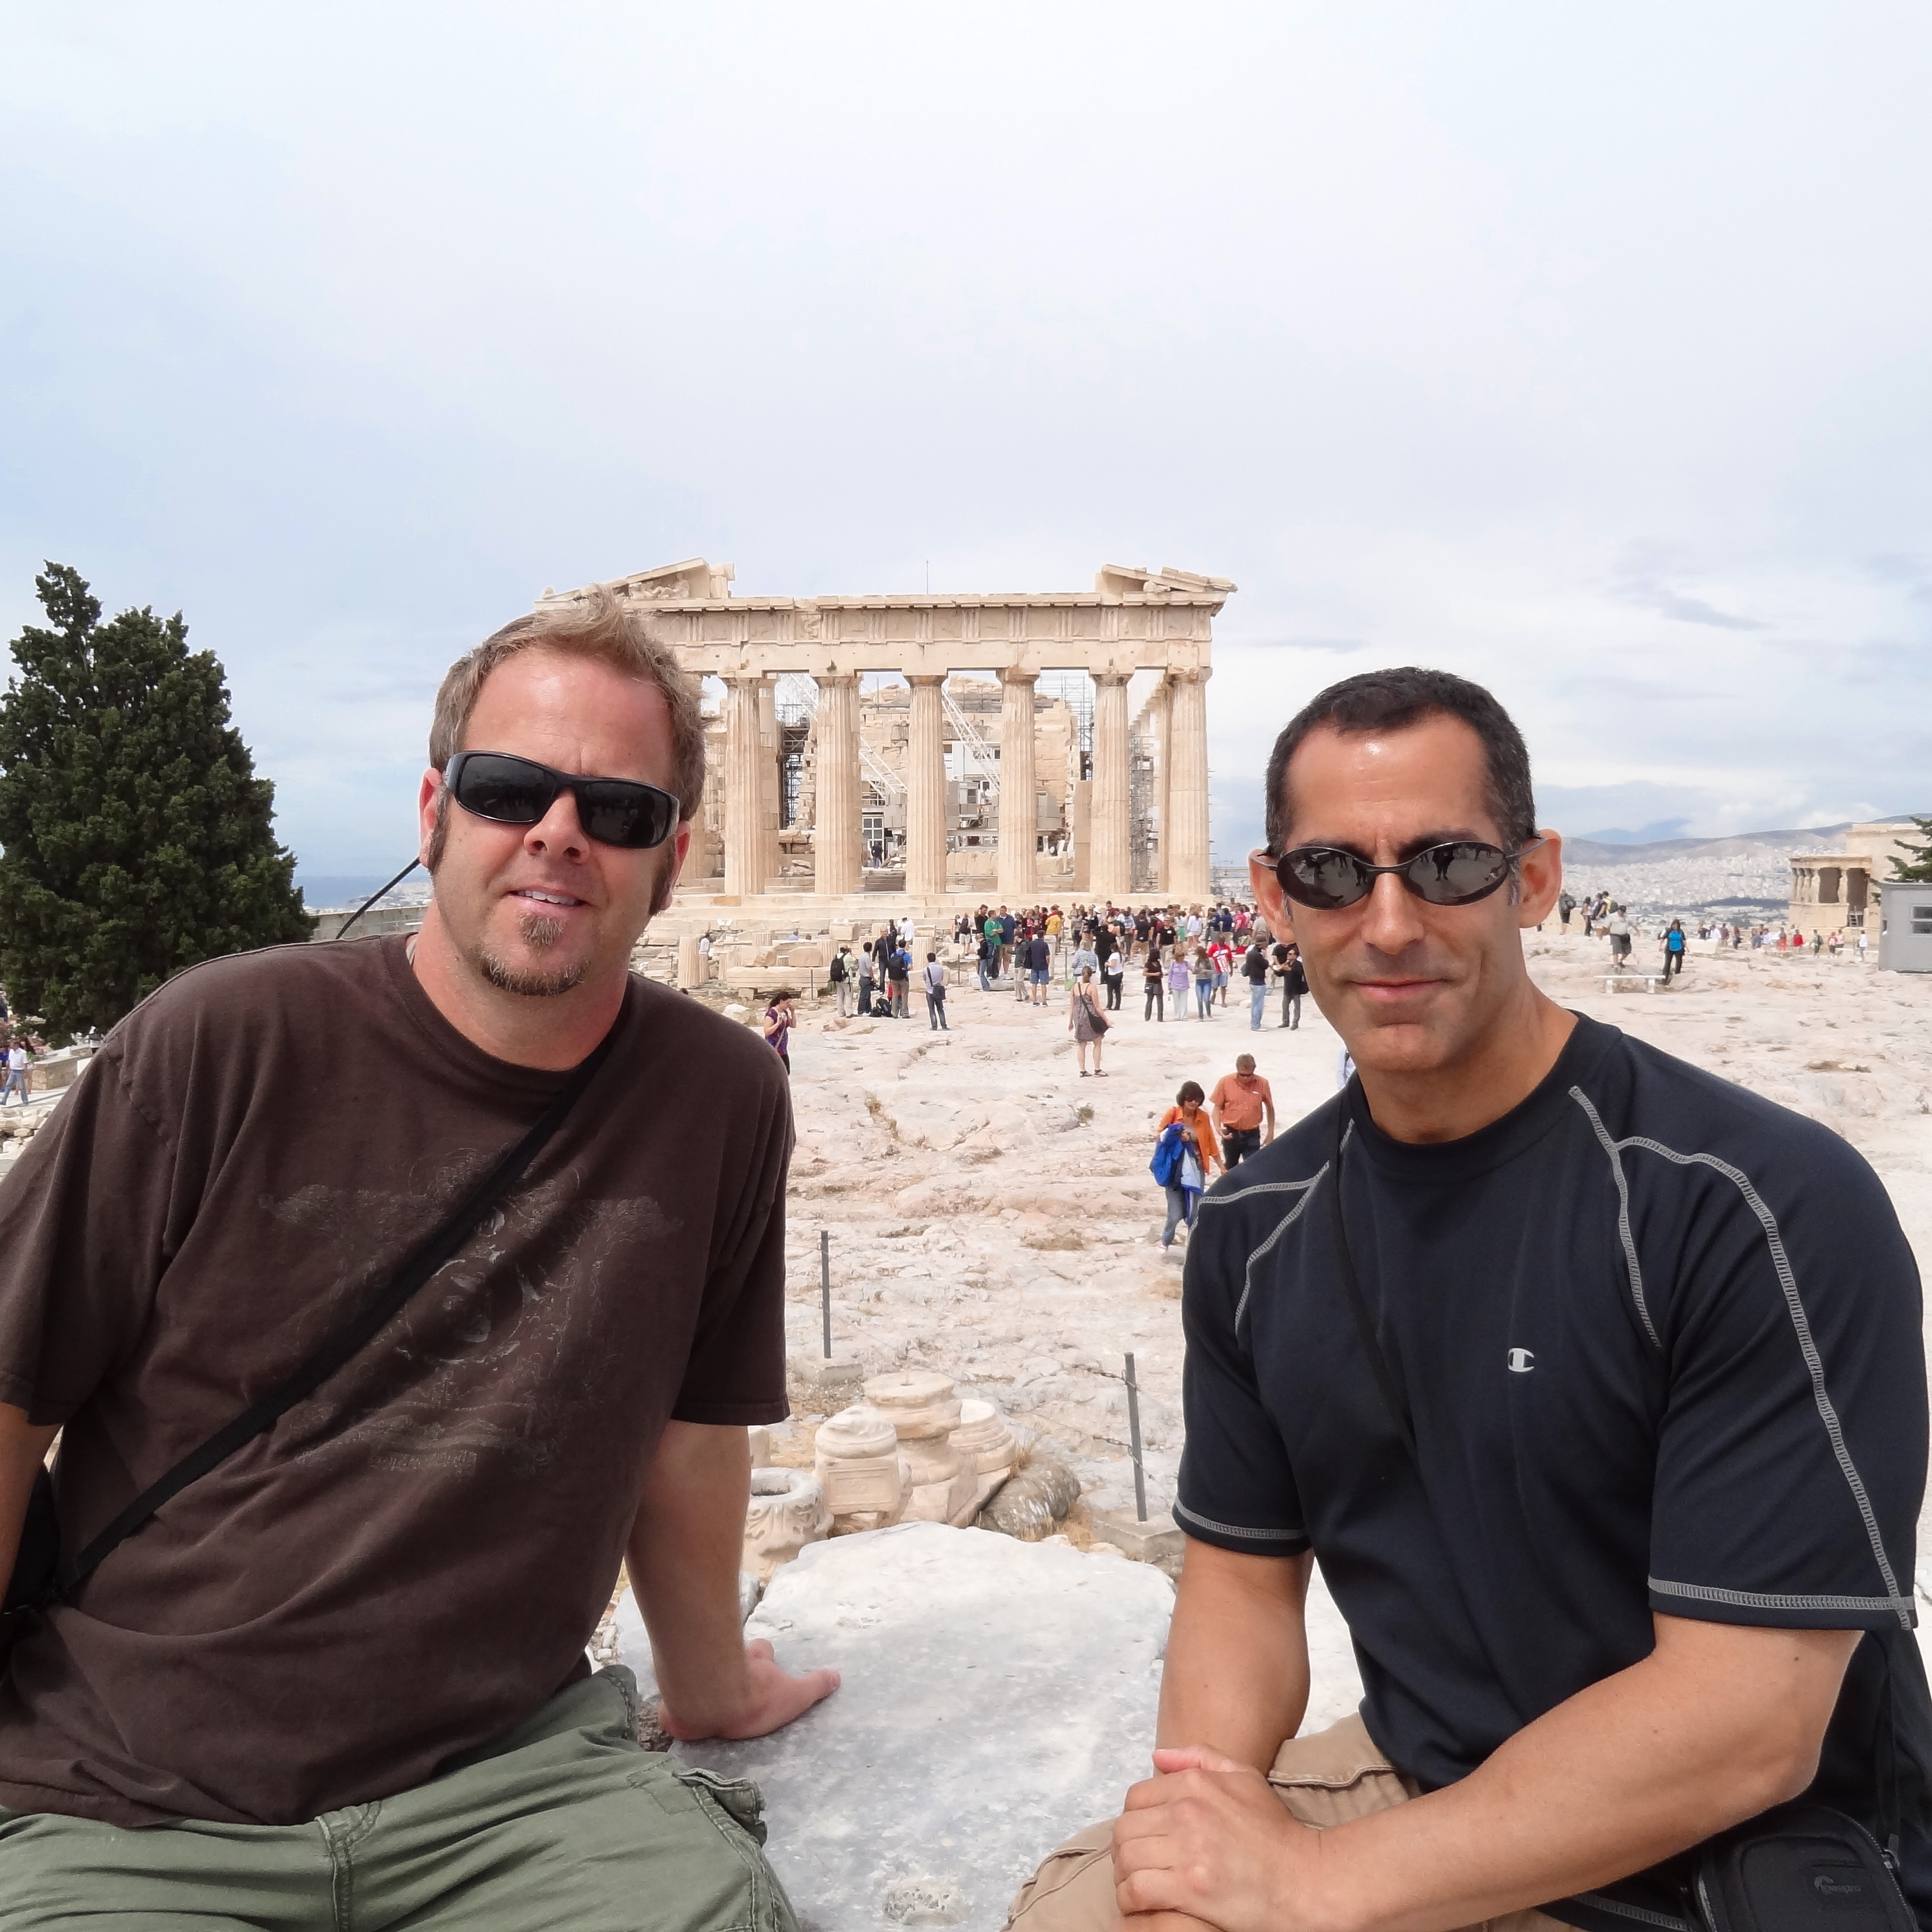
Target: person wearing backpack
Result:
[[840, 975], [347, 1658]]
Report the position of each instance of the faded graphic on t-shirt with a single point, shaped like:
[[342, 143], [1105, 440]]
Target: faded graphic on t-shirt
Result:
[[492, 1358]]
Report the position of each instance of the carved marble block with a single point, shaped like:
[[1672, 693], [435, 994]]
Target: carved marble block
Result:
[[985, 1440], [865, 1476], [922, 1408], [787, 1511]]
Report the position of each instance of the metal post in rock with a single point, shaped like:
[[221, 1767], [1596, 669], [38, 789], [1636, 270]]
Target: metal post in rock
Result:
[[1134, 1440], [825, 1288]]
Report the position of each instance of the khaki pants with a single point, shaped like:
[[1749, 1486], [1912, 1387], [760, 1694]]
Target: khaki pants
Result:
[[1330, 1778], [565, 1825]]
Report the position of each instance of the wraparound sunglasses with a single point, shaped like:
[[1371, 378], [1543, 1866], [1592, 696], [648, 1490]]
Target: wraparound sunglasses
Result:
[[519, 791], [1326, 878]]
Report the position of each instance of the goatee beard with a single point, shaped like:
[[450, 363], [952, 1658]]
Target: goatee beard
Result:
[[539, 935]]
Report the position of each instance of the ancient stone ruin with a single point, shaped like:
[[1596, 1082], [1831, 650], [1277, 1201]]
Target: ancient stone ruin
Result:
[[937, 786]]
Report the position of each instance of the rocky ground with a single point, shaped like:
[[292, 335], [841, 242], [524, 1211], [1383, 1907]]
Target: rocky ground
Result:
[[991, 1215]]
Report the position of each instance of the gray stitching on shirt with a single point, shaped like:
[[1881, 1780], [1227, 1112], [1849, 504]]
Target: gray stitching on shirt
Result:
[[1609, 1146], [1801, 1324], [1235, 1529], [1758, 1600], [1259, 1187], [1287, 1221]]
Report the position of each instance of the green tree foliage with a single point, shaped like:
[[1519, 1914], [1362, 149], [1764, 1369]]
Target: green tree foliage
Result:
[[137, 839], [1919, 868]]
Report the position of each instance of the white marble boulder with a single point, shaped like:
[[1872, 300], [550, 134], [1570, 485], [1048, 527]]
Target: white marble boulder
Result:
[[997, 1695]]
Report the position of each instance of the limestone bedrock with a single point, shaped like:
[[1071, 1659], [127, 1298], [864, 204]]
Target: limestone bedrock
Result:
[[996, 1696]]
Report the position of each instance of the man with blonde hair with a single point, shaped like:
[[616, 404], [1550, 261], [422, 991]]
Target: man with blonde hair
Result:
[[346, 1658]]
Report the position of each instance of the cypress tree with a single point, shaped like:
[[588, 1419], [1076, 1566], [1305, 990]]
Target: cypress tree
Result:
[[137, 839], [1919, 868]]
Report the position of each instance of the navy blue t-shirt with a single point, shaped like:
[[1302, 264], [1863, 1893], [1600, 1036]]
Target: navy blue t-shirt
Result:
[[1661, 1343]]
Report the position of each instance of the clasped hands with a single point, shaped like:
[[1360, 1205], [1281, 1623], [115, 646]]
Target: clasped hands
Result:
[[1207, 1843]]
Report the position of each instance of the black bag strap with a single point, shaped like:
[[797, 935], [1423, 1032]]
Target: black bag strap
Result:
[[354, 1334], [1385, 1379]]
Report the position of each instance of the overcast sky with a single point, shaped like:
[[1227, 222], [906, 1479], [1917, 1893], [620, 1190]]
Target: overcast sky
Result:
[[1581, 350]]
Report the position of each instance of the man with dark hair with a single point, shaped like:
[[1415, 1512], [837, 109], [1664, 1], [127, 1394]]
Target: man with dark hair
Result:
[[1594, 1383], [347, 1661]]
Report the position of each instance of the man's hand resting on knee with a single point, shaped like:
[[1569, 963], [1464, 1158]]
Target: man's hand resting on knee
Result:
[[683, 1554], [1210, 1833]]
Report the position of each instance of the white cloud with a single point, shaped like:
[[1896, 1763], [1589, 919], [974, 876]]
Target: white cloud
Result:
[[1580, 352]]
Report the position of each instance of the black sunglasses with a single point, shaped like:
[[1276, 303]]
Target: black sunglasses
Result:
[[1459, 873], [519, 791]]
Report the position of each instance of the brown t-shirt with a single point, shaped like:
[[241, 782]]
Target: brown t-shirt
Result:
[[411, 1560]]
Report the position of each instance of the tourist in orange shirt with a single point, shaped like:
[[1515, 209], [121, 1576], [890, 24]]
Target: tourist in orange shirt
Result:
[[1244, 1103]]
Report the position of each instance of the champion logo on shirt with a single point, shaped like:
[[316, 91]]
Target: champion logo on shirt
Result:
[[1521, 1361]]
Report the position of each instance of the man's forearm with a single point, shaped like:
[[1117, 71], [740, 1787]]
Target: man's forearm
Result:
[[1236, 1672], [686, 1547], [1718, 1724]]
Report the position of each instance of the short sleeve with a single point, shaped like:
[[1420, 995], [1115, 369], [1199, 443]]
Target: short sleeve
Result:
[[735, 1373], [1237, 1490], [1791, 1454], [84, 1220]]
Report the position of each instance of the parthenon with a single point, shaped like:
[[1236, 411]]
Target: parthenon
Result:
[[823, 783]]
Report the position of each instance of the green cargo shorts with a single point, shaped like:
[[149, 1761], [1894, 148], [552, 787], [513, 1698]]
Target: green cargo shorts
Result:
[[564, 1823]]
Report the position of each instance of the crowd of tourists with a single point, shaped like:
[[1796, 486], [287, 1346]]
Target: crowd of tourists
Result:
[[1173, 951], [1600, 915]]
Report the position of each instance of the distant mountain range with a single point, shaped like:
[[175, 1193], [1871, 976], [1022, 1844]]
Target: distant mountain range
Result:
[[1594, 849], [1749, 869]]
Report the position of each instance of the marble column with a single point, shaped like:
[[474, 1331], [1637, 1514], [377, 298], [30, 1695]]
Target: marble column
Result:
[[925, 790], [1110, 874], [1160, 715], [1019, 811], [770, 786], [744, 798], [1187, 876], [834, 840]]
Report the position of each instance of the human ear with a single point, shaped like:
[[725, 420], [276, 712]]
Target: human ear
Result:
[[1270, 897], [1542, 874]]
